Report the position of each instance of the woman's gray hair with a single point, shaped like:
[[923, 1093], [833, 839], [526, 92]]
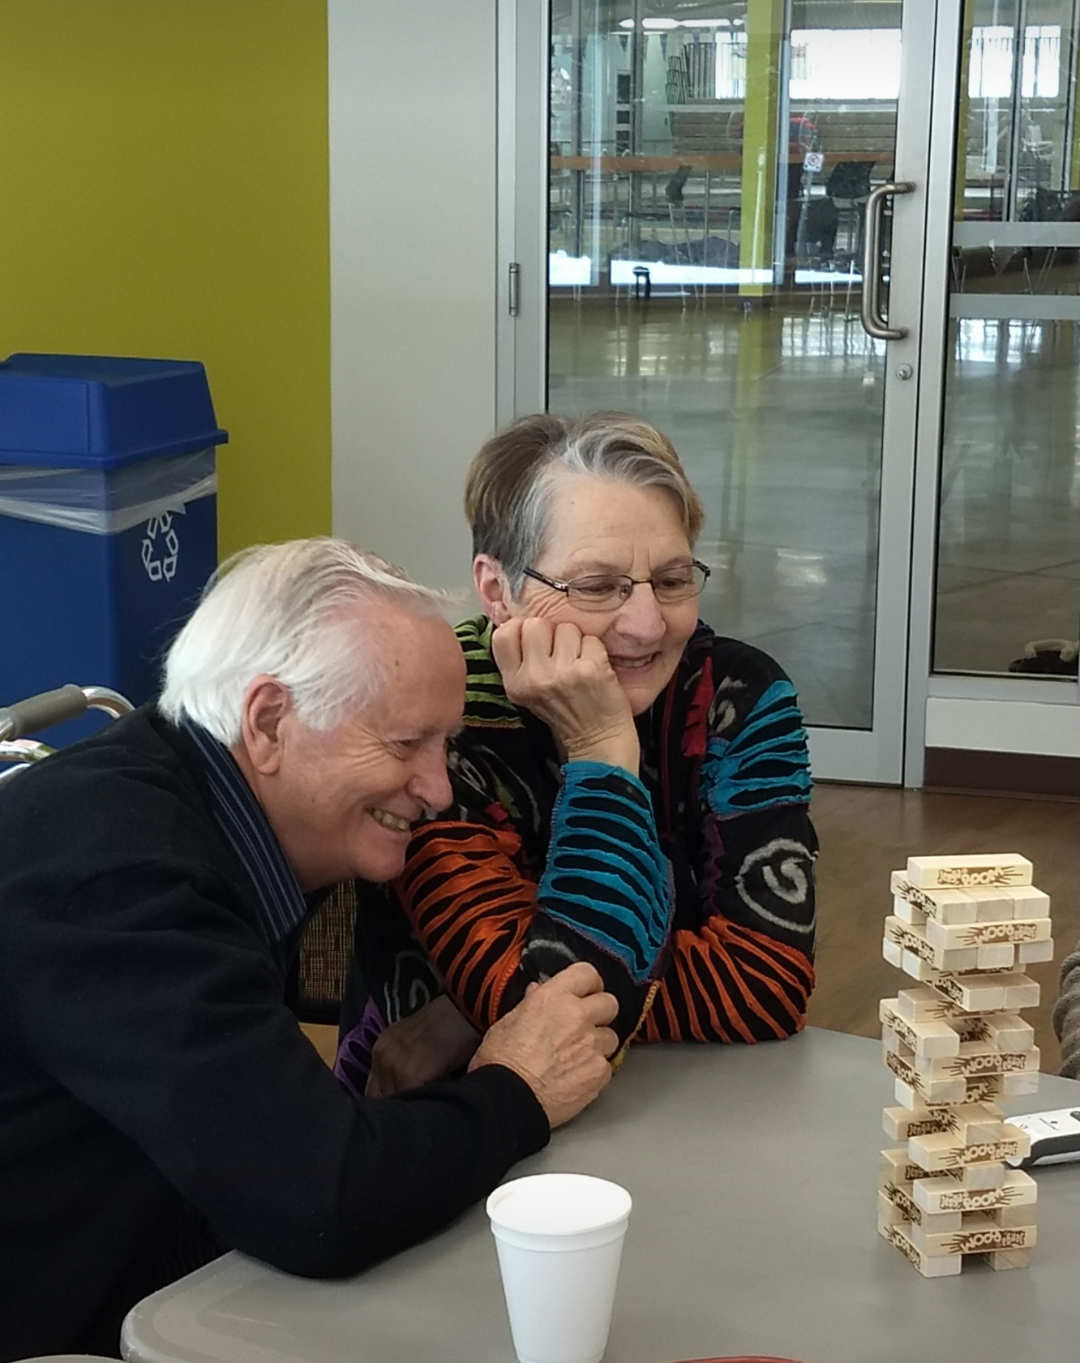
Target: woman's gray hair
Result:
[[292, 611], [509, 484]]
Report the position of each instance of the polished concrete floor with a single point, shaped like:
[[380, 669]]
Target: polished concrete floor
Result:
[[778, 418]]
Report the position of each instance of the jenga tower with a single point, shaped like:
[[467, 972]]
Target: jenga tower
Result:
[[965, 928]]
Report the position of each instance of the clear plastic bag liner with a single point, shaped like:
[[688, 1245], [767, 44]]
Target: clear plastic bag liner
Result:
[[106, 503]]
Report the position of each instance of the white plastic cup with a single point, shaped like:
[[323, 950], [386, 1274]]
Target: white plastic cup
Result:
[[559, 1239]]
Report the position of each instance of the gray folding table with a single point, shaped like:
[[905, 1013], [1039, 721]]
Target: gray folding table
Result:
[[754, 1230]]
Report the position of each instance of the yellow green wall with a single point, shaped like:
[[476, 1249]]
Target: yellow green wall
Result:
[[164, 192]]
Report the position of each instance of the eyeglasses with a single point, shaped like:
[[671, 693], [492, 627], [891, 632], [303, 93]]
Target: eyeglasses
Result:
[[608, 591]]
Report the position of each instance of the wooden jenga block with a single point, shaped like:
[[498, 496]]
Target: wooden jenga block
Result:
[[995, 956], [968, 1123], [977, 1058], [1007, 1031], [1019, 1085], [942, 1150], [924, 1004], [897, 1207], [987, 1130], [895, 1204], [1031, 953], [918, 969], [901, 1123], [987, 1088], [979, 1178], [976, 870], [899, 1170], [913, 940], [978, 1235], [896, 1168], [906, 1096], [983, 1088], [908, 937], [907, 912], [953, 935], [947, 906], [973, 993], [890, 1213], [957, 959], [1008, 1258], [924, 1038], [1020, 992], [1029, 902], [892, 953], [975, 1061], [924, 1091], [979, 993], [942, 1193], [930, 1266], [1011, 1217], [993, 904], [925, 973], [896, 1046], [970, 1026], [927, 965], [966, 1119]]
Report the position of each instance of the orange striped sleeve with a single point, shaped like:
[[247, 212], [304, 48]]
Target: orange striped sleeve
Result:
[[730, 983], [471, 908]]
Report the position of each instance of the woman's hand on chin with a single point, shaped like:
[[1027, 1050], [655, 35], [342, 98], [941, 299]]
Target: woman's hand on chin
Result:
[[566, 679]]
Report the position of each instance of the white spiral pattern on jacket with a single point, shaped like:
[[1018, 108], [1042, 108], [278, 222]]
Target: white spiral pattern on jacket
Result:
[[779, 873]]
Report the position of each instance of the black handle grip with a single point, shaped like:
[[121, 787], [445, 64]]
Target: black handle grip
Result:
[[41, 711]]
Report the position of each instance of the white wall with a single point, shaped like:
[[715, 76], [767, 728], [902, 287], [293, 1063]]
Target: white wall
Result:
[[412, 268]]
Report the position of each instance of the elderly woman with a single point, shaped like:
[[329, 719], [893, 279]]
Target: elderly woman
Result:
[[630, 788]]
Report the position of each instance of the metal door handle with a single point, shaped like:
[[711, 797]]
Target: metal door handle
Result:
[[873, 323]]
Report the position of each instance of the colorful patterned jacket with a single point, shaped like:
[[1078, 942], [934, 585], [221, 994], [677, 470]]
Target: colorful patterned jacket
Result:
[[691, 890]]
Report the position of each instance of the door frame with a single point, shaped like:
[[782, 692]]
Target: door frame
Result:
[[932, 365], [521, 231], [1022, 715]]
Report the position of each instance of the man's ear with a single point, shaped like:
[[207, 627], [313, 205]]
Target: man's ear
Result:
[[491, 588], [266, 703]]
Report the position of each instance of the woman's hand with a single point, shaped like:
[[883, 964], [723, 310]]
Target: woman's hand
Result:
[[566, 679], [429, 1044]]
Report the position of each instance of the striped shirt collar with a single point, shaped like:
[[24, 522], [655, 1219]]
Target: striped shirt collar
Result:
[[244, 826]]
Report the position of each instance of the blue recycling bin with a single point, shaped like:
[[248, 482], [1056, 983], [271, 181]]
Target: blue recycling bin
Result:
[[108, 520]]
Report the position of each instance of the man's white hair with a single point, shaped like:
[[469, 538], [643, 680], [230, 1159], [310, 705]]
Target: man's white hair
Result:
[[294, 611]]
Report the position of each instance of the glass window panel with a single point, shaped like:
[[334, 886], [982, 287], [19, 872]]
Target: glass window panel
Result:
[[1008, 564], [709, 175]]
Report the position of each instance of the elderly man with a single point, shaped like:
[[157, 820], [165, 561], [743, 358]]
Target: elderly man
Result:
[[157, 1100]]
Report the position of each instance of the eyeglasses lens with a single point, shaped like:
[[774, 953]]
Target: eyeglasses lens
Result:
[[605, 591]]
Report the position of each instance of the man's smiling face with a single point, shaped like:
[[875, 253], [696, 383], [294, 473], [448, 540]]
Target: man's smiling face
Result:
[[342, 801]]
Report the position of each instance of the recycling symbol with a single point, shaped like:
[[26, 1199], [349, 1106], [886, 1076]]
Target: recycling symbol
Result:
[[160, 548]]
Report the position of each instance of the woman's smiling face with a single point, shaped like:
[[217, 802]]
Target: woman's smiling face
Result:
[[602, 525]]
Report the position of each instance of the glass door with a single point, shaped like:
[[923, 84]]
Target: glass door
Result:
[[716, 175], [1005, 498]]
